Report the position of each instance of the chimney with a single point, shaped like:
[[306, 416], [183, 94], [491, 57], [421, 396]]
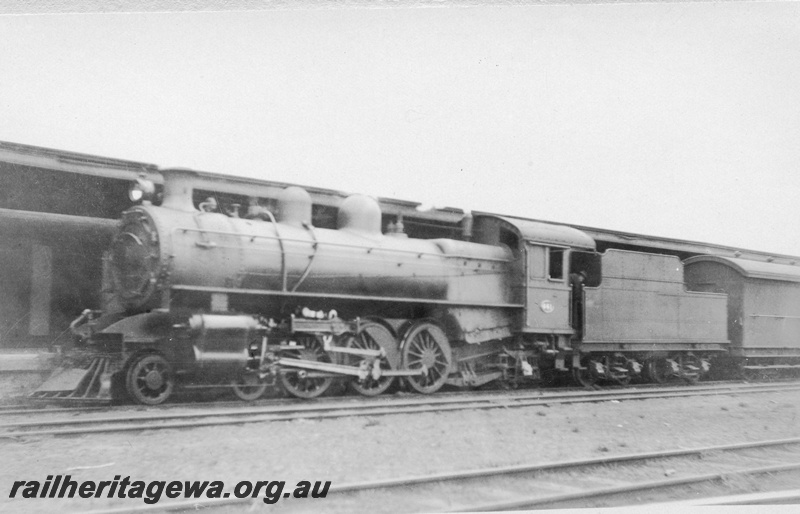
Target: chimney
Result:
[[178, 188]]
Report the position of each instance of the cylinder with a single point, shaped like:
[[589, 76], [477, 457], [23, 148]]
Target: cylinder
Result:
[[221, 343]]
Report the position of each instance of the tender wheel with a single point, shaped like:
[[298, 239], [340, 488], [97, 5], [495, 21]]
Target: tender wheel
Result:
[[150, 380], [248, 387], [690, 368], [619, 363], [658, 370], [373, 336], [425, 345], [302, 383]]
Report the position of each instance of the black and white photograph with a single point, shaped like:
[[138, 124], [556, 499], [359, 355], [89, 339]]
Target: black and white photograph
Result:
[[375, 256]]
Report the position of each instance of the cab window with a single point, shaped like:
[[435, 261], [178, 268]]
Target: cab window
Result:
[[555, 263]]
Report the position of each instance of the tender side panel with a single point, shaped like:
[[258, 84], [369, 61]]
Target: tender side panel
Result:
[[642, 299]]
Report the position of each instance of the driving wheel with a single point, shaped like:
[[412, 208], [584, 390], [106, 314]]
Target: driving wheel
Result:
[[425, 346], [300, 382], [373, 336]]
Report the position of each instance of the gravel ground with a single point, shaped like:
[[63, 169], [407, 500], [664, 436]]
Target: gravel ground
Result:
[[358, 449]]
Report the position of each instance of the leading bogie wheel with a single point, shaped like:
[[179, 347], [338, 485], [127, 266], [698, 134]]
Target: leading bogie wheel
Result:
[[150, 380], [248, 386], [373, 336], [302, 383], [425, 346]]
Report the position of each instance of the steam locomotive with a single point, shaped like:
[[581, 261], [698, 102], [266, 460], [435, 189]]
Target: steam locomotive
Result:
[[268, 300]]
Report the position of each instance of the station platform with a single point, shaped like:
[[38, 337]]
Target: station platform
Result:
[[26, 360], [22, 371]]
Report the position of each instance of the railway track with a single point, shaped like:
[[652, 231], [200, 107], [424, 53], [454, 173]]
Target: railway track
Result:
[[33, 407], [88, 423], [637, 479], [783, 497], [10, 410]]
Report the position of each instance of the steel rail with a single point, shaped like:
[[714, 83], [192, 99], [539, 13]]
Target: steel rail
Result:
[[340, 410], [469, 401], [454, 396], [295, 411], [34, 410], [28, 408], [790, 496], [608, 491], [512, 470]]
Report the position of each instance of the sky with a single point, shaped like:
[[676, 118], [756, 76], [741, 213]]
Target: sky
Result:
[[669, 119]]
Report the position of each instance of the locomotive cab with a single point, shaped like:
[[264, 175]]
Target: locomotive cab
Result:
[[542, 267]]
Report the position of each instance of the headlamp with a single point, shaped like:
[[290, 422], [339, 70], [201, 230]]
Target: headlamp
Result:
[[142, 190]]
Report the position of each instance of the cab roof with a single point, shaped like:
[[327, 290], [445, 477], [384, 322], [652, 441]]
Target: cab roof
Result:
[[550, 234]]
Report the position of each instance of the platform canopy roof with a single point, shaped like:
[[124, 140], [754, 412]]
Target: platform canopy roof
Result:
[[444, 217]]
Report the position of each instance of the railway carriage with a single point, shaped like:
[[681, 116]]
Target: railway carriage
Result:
[[205, 298], [763, 311]]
